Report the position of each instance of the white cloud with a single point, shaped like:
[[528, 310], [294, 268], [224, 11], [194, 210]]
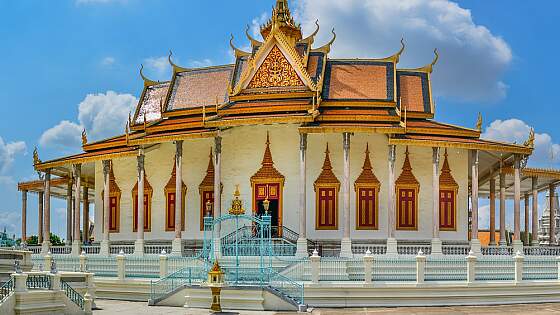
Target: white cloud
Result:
[[159, 66], [102, 115], [8, 153], [473, 60], [546, 152], [11, 220], [201, 63], [64, 135], [108, 61]]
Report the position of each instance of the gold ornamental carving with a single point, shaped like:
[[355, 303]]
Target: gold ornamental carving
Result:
[[236, 203], [275, 71]]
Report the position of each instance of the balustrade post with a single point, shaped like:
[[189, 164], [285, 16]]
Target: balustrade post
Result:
[[120, 266], [163, 264], [368, 267], [88, 304], [83, 262], [518, 258], [420, 267], [55, 281], [471, 267], [315, 265], [48, 261], [90, 287], [20, 282]]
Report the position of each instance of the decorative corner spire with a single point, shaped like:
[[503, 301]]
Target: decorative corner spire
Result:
[[84, 137], [327, 47], [399, 53], [311, 37], [282, 20], [36, 159], [531, 140], [175, 67], [479, 122]]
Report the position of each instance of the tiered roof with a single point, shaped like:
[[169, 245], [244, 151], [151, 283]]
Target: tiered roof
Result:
[[286, 79]]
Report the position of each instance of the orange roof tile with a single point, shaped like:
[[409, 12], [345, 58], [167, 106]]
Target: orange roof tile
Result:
[[358, 80], [151, 105], [200, 87]]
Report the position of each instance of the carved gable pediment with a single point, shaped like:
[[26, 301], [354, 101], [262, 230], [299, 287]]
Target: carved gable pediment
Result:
[[275, 71]]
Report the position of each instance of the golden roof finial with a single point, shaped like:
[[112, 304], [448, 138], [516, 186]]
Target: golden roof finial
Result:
[[531, 140], [479, 122], [327, 47], [36, 159], [254, 42], [399, 53], [311, 37], [84, 137], [282, 20], [238, 52], [147, 82]]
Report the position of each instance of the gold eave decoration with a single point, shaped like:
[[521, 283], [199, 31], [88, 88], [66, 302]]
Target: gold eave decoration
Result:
[[326, 177], [497, 147], [84, 160], [175, 137], [267, 172], [366, 177], [352, 128], [259, 120]]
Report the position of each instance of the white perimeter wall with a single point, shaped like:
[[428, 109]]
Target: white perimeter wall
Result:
[[242, 152]]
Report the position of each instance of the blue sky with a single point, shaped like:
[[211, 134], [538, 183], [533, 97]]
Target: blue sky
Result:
[[497, 57]]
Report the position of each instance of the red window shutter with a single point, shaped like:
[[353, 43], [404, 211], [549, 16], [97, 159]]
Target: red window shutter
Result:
[[366, 208], [170, 211], [113, 213], [407, 208], [447, 209], [327, 208]]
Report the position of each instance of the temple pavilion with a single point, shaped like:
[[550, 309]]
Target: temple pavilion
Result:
[[343, 152]]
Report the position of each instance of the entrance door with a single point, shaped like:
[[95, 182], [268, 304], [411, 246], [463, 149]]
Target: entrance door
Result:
[[271, 192]]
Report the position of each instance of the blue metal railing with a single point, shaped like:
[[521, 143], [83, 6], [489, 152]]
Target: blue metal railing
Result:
[[72, 294], [6, 290], [186, 276], [39, 282]]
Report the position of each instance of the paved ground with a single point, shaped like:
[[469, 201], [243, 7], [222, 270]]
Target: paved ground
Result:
[[139, 308]]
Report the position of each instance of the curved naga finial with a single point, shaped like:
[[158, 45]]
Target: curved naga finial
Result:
[[531, 140], [176, 68], [84, 137], [238, 52], [36, 159], [327, 47], [254, 42], [429, 68], [397, 56], [147, 82], [479, 122], [311, 37]]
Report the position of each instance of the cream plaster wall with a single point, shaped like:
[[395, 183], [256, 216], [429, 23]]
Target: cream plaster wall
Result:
[[242, 152]]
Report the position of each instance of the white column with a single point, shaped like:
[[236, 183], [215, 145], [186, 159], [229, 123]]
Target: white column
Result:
[[503, 241], [475, 242], [69, 211], [552, 220], [492, 212], [23, 216], [526, 219], [535, 213], [302, 250], [77, 170], [104, 248], [517, 244], [47, 215], [436, 241], [391, 241], [346, 242], [176, 248], [40, 224], [217, 193], [139, 244], [85, 220]]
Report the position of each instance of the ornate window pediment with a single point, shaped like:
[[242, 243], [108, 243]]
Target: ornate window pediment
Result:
[[114, 203], [148, 191], [170, 198]]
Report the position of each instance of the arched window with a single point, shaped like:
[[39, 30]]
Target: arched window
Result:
[[147, 205], [407, 188], [170, 198], [326, 187], [448, 188], [367, 192]]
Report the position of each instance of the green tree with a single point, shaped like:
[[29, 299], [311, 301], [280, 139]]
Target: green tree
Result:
[[32, 240]]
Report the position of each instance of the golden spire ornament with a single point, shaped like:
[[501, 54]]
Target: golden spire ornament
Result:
[[236, 203]]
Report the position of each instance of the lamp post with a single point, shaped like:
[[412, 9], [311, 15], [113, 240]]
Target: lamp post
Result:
[[209, 208], [266, 205]]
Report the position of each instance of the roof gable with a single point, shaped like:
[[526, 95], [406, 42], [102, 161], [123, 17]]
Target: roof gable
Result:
[[275, 71]]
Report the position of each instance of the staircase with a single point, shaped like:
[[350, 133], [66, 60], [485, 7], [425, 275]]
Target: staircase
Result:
[[249, 242]]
